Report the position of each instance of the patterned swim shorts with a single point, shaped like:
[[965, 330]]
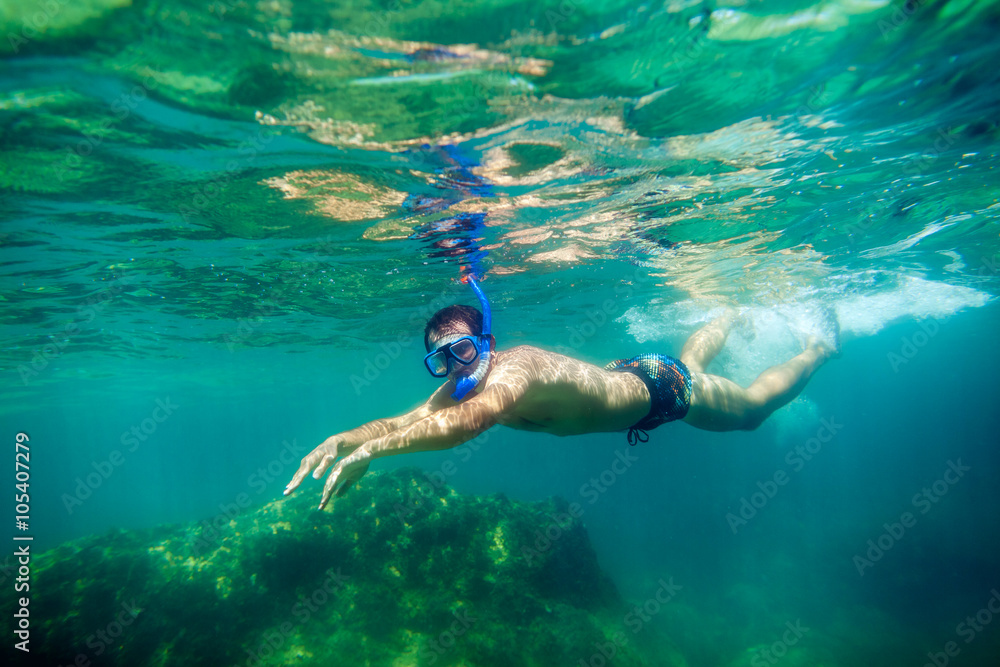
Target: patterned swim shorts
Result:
[[669, 385]]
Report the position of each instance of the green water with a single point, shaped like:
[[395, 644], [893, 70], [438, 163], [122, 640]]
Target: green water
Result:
[[250, 210]]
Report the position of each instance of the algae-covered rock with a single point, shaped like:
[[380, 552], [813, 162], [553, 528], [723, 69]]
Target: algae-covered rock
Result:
[[23, 23], [399, 572]]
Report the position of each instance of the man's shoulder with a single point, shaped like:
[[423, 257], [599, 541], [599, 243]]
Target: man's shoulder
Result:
[[526, 356], [531, 363], [520, 360], [524, 353], [524, 349]]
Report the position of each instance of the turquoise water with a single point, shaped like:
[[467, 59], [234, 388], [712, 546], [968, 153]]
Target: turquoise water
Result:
[[241, 214]]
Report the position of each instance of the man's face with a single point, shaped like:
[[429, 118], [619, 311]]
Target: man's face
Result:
[[456, 370]]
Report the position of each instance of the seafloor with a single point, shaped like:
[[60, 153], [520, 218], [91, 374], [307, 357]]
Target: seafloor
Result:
[[399, 572]]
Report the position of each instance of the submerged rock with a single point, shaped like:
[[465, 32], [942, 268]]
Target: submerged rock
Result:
[[27, 22], [398, 573]]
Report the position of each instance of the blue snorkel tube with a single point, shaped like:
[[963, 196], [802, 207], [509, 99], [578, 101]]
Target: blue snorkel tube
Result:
[[468, 383]]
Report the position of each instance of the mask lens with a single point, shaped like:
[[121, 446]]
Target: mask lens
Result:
[[464, 350], [437, 363]]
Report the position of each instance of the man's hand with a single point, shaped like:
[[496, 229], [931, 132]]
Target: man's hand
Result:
[[347, 471], [344, 474], [320, 458], [423, 429]]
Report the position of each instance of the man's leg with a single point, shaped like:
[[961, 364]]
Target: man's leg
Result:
[[718, 404], [705, 343]]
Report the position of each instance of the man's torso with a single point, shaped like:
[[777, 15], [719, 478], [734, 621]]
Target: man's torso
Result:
[[564, 396]]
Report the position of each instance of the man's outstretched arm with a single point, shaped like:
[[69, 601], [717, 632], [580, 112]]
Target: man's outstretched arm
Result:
[[341, 444], [443, 429]]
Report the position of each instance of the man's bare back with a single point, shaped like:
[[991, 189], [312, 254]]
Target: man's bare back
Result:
[[532, 389], [560, 395]]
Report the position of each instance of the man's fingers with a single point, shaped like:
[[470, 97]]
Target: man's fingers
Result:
[[322, 456], [343, 475], [307, 464], [331, 481], [324, 465], [297, 478], [328, 451]]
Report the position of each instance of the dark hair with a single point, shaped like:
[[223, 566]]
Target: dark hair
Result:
[[453, 320]]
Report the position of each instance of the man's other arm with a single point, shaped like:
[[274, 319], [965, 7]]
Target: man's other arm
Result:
[[442, 429]]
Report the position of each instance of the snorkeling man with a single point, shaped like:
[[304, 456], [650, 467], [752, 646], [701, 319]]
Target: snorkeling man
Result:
[[535, 390]]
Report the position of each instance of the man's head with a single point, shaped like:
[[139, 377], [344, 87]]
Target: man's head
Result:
[[453, 326], [453, 320], [459, 343]]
